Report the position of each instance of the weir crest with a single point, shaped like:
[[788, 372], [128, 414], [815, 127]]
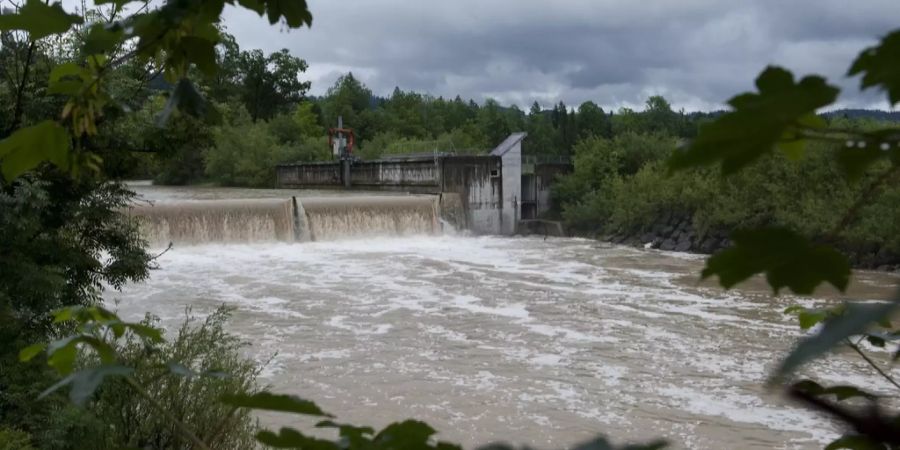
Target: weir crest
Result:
[[288, 220]]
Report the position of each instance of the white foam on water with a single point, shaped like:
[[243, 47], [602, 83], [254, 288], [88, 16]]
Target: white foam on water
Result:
[[544, 337]]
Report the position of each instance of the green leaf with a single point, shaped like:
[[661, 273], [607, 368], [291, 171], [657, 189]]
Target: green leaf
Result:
[[876, 341], [601, 443], [855, 320], [66, 314], [354, 436], [840, 392], [145, 331], [810, 318], [39, 19], [28, 353], [880, 66], [67, 79], [295, 13], [85, 382], [406, 434], [854, 442], [188, 100], [787, 259], [291, 438], [61, 354], [760, 121], [274, 402], [106, 353], [27, 147], [103, 38], [118, 3], [201, 52]]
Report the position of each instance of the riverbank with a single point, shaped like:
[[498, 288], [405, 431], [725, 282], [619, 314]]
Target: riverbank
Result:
[[677, 233]]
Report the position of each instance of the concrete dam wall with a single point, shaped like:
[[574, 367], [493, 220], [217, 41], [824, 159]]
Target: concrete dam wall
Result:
[[475, 182]]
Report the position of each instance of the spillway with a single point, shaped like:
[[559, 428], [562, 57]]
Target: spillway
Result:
[[287, 219]]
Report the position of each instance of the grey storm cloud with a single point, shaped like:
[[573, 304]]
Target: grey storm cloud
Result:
[[697, 53]]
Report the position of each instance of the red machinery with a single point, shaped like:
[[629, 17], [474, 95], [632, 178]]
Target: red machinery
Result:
[[341, 140]]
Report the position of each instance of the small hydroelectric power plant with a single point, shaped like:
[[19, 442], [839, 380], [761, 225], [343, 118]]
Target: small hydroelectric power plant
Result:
[[294, 219]]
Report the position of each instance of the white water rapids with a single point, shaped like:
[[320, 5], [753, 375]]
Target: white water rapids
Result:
[[534, 341]]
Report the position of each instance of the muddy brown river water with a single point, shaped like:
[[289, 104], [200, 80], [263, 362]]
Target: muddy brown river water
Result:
[[536, 341]]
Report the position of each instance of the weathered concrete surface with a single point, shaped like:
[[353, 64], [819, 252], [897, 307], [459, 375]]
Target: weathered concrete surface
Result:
[[409, 173], [478, 181], [510, 152], [315, 174], [451, 210], [542, 227]]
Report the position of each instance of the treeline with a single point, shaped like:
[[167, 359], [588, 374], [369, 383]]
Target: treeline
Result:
[[622, 189], [262, 116]]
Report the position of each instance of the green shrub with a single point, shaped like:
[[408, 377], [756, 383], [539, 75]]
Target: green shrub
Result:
[[134, 422], [621, 184], [245, 153], [14, 440]]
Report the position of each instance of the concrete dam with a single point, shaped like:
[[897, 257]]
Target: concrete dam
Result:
[[494, 192]]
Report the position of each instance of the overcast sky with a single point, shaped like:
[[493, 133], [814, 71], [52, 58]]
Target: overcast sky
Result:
[[697, 53]]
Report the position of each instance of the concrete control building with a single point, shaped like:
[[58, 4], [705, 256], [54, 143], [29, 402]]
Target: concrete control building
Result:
[[495, 191]]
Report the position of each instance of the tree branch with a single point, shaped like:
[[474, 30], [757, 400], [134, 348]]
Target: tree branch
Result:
[[881, 372], [20, 90]]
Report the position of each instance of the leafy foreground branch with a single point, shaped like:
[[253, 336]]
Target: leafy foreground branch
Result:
[[781, 117], [105, 357]]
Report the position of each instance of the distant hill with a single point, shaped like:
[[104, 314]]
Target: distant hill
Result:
[[877, 114]]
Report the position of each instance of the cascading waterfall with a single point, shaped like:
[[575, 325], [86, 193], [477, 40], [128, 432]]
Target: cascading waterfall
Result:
[[195, 222], [347, 217], [296, 219]]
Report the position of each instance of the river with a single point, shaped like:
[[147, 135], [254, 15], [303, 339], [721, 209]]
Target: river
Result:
[[536, 341]]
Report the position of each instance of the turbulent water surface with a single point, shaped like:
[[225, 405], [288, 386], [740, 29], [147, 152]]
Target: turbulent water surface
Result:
[[536, 341]]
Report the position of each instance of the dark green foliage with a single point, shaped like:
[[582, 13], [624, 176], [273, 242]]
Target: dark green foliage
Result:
[[759, 121], [14, 440], [855, 442], [274, 402], [39, 19], [29, 146], [879, 68], [839, 392], [787, 259], [269, 85], [244, 152], [776, 191], [182, 375], [63, 241]]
